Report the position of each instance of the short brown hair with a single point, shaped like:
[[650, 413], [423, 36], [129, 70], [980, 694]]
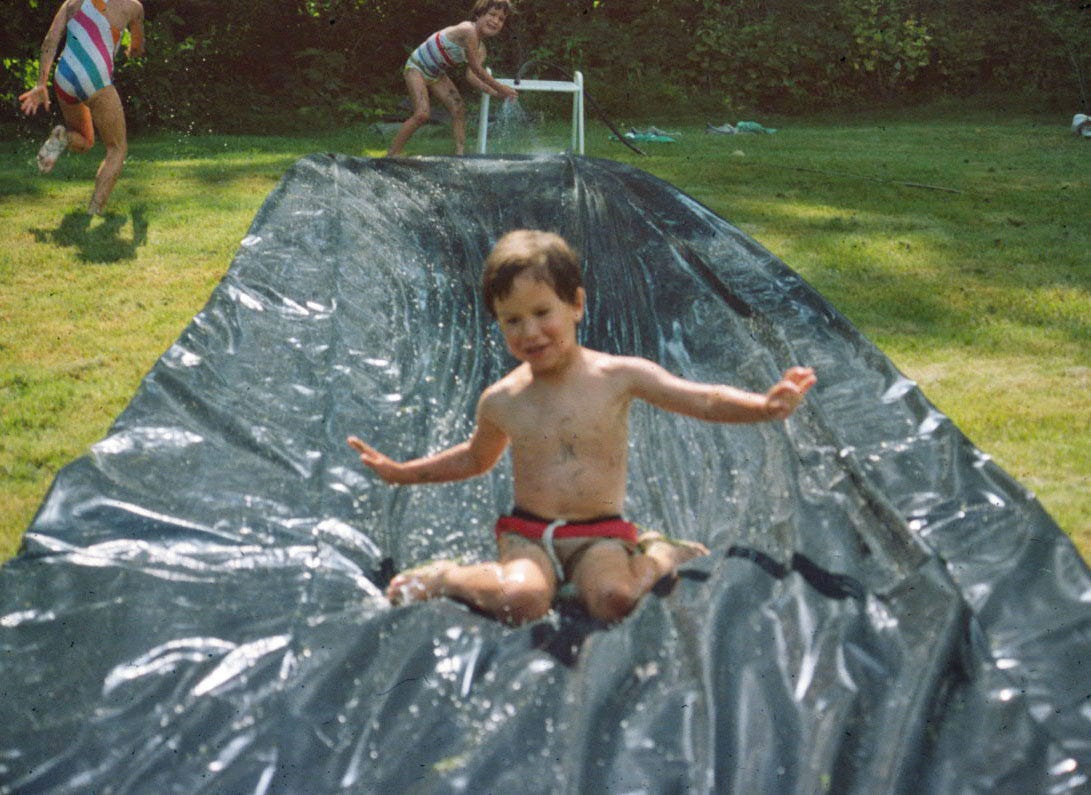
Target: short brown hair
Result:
[[544, 256], [482, 7]]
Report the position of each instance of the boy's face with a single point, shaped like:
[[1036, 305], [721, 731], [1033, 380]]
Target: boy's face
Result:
[[538, 327]]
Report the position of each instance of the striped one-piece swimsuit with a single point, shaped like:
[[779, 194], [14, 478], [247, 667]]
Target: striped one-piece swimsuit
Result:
[[87, 63], [437, 54]]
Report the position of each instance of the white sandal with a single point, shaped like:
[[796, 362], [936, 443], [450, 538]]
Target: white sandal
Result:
[[54, 145]]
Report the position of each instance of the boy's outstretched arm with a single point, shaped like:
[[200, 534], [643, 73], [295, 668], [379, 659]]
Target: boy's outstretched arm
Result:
[[719, 402], [475, 456], [786, 394]]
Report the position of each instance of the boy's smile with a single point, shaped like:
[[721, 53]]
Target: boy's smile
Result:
[[538, 326]]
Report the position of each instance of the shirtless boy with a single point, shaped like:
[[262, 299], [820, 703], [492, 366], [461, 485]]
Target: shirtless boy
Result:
[[564, 412]]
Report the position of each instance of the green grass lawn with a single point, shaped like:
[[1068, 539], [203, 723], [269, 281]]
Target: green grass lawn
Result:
[[980, 292]]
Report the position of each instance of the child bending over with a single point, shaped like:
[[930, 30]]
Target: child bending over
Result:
[[426, 71], [564, 412]]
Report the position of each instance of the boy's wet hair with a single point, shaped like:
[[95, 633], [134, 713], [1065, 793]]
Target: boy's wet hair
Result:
[[544, 256], [482, 7]]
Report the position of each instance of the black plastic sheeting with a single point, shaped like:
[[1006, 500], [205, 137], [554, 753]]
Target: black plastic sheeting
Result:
[[197, 606]]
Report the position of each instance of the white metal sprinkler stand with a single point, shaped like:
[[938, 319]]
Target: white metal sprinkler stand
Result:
[[575, 88]]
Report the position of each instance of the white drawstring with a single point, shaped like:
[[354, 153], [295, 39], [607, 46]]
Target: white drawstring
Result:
[[547, 542]]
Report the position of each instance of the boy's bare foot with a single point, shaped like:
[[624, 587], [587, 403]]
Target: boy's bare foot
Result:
[[54, 145], [670, 552], [419, 584]]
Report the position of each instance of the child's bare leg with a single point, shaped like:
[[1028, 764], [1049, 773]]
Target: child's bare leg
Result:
[[516, 590], [447, 92], [668, 554], [109, 118], [419, 584], [77, 120], [611, 580], [418, 93]]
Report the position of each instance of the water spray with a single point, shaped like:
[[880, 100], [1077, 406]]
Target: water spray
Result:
[[594, 105]]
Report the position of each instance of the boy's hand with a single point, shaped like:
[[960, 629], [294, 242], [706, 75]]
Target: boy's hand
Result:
[[507, 92], [384, 466], [785, 396]]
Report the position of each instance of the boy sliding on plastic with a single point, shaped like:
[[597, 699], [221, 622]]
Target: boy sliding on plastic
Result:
[[426, 70], [564, 411]]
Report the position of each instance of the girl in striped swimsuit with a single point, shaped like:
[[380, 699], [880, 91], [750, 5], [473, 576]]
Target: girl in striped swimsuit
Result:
[[426, 70], [84, 84]]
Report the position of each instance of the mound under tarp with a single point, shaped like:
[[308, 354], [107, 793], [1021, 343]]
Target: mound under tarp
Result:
[[197, 606]]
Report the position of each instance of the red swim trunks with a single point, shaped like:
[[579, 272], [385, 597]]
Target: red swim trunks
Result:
[[533, 527]]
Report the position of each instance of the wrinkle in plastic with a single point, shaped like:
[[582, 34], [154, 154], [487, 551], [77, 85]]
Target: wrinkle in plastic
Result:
[[198, 604]]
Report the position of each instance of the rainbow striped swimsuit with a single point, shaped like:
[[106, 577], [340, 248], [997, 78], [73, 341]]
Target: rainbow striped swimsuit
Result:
[[435, 56], [87, 62]]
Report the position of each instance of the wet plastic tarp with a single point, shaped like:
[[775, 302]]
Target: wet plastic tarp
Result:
[[197, 606]]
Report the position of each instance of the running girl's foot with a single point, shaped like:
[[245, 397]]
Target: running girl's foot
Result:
[[670, 551], [419, 584], [54, 145], [94, 208]]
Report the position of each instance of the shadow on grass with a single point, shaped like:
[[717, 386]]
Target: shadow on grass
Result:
[[98, 243]]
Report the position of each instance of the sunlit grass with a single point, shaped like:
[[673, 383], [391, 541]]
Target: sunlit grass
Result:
[[959, 248]]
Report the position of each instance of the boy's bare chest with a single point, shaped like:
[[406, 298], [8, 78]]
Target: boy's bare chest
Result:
[[566, 424]]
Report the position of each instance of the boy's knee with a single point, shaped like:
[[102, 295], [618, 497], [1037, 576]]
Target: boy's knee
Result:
[[420, 118], [612, 601], [526, 602], [79, 144]]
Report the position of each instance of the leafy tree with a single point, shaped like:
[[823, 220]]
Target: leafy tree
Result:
[[888, 44], [1069, 25], [276, 64]]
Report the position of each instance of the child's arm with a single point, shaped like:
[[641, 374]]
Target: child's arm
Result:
[[33, 99], [476, 456], [136, 34], [477, 83], [476, 74], [718, 402]]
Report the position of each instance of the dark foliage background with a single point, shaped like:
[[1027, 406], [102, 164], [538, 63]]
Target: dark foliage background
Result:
[[283, 65]]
